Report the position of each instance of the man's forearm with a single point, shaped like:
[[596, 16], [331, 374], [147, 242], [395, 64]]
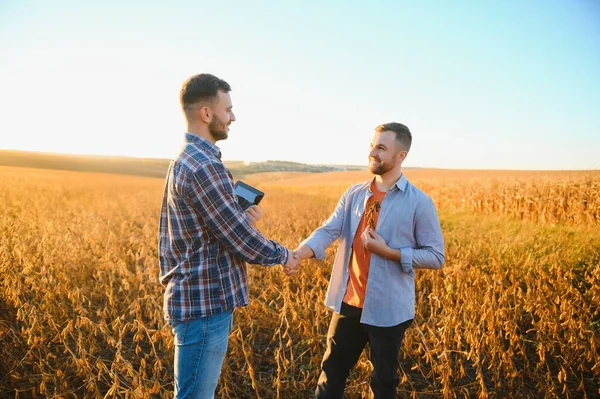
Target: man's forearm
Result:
[[304, 252], [392, 254]]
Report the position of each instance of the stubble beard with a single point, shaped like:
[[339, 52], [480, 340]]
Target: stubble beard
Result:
[[379, 169], [218, 129]]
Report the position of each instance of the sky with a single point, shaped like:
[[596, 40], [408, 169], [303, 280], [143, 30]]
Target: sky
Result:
[[511, 84]]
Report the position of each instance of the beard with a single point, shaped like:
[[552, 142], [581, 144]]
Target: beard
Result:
[[218, 129], [379, 168]]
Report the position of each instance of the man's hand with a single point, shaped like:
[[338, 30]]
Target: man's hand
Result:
[[293, 262], [254, 213], [374, 243]]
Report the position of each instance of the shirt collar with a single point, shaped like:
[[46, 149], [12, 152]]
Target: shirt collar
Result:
[[203, 144], [400, 183]]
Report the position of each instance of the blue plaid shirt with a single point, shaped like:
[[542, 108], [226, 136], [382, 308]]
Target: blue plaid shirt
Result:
[[205, 236]]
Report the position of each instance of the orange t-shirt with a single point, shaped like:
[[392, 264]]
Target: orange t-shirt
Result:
[[360, 257]]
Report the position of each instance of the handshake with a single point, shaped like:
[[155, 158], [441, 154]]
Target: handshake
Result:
[[294, 258]]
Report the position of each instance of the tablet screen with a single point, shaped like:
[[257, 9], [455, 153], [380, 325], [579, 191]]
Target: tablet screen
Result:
[[244, 192]]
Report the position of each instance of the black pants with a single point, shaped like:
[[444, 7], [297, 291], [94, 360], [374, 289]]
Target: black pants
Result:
[[346, 339]]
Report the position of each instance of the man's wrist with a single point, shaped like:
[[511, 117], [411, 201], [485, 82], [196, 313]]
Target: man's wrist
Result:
[[305, 252], [393, 254]]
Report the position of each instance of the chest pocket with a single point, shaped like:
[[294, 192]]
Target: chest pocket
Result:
[[396, 223]]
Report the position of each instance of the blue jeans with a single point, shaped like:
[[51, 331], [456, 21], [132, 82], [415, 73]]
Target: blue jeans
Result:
[[200, 346]]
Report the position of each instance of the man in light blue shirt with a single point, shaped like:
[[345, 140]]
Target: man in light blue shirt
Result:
[[387, 229]]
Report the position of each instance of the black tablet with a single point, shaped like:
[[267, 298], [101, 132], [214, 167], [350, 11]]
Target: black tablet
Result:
[[247, 195]]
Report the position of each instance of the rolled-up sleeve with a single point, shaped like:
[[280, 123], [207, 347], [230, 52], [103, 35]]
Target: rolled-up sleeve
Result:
[[429, 250], [214, 198], [329, 231]]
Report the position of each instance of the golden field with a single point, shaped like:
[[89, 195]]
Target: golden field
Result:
[[513, 313]]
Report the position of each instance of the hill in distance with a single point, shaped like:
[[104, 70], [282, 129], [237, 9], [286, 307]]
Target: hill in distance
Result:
[[148, 167]]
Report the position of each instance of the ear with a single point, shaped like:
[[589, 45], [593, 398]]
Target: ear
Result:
[[401, 156], [205, 114]]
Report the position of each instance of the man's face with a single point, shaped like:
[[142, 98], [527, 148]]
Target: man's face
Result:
[[386, 153], [222, 116]]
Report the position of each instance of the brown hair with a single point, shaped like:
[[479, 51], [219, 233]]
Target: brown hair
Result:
[[201, 87], [403, 135]]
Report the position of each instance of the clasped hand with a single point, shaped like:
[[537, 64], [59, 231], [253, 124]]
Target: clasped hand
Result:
[[373, 242], [291, 267]]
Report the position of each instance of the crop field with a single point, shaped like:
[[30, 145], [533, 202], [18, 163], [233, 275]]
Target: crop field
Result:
[[514, 312]]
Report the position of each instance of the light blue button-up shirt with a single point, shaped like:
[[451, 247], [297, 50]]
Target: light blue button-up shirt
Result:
[[407, 221]]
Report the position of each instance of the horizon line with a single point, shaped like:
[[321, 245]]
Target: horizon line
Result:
[[134, 157]]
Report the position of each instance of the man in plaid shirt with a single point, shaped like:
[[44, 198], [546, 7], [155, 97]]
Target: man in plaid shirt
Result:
[[205, 241]]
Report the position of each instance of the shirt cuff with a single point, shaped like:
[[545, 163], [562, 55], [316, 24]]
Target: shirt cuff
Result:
[[406, 259], [285, 255]]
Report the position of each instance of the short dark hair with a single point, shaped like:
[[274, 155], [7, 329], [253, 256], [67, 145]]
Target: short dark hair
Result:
[[203, 86], [403, 135]]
